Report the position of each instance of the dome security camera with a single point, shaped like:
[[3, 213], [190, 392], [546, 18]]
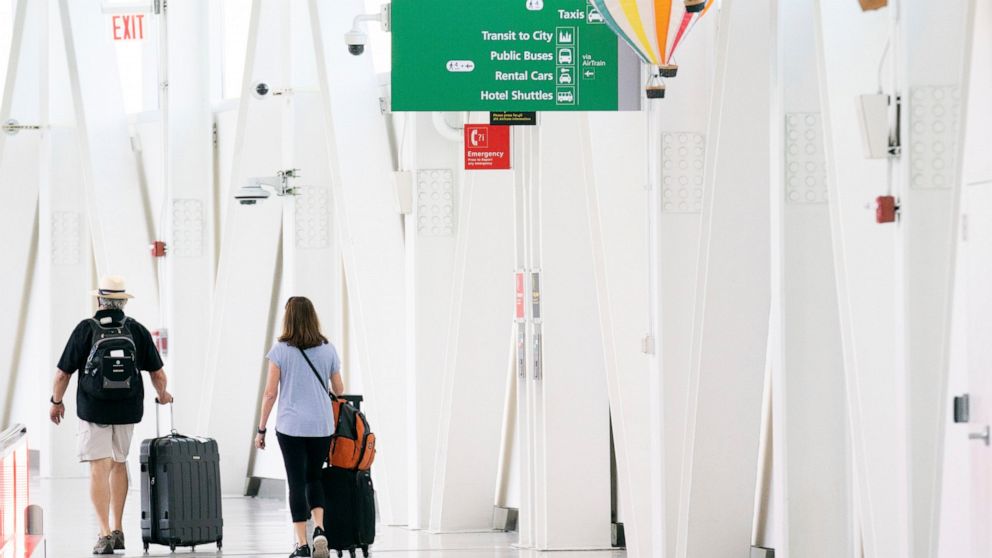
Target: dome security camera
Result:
[[356, 39], [261, 89]]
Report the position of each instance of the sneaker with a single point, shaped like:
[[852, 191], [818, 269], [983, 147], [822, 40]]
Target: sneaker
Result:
[[104, 545], [320, 544], [301, 550], [118, 537]]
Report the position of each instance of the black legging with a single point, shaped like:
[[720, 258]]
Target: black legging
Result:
[[304, 458]]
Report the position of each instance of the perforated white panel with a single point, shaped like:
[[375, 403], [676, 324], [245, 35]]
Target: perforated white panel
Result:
[[934, 115], [683, 155], [66, 243], [187, 228], [805, 161], [435, 202], [312, 218]]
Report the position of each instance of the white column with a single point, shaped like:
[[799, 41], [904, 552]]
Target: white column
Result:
[[684, 120], [474, 373], [865, 263], [245, 287], [65, 251], [615, 192], [937, 42], [571, 402], [812, 457], [370, 228], [188, 215], [733, 293], [438, 187], [19, 174]]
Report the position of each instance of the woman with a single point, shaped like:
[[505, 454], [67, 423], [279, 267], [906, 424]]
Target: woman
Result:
[[303, 426]]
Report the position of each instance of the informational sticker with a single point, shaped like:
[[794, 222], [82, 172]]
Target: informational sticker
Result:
[[487, 147], [513, 118], [522, 349], [520, 296], [535, 295], [538, 351]]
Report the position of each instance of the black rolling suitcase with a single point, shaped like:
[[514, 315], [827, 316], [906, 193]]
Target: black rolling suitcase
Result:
[[349, 519], [180, 491]]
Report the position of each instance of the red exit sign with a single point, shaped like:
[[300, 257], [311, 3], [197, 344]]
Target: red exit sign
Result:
[[128, 27]]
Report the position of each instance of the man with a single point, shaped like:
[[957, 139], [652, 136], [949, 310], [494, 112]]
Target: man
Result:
[[109, 351]]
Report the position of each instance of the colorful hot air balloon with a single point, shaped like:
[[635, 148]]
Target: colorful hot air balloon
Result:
[[645, 25]]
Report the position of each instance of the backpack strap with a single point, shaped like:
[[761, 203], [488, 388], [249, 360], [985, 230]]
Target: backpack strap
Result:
[[317, 375]]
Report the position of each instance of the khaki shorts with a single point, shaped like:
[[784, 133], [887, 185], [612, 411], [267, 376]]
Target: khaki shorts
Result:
[[103, 441]]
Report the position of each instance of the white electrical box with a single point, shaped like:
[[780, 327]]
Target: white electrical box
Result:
[[873, 115]]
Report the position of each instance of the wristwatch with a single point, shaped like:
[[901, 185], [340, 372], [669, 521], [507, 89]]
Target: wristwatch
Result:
[[54, 402], [262, 431]]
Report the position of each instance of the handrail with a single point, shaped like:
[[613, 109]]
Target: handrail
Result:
[[10, 437]]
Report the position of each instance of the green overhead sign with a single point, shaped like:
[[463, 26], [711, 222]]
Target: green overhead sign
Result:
[[508, 55]]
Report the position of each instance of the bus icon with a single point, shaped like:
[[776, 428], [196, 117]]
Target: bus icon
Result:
[[564, 56], [565, 96]]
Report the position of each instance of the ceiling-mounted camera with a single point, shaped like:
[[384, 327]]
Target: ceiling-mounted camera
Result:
[[357, 38], [261, 188], [261, 89]]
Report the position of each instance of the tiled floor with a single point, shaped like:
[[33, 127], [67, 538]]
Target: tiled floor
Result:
[[254, 527]]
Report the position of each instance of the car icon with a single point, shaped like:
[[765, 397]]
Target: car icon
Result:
[[565, 78], [565, 56], [595, 17]]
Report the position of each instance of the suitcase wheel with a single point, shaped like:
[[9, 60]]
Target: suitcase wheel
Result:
[[365, 551], [146, 546], [351, 552], [340, 554], [172, 547], [220, 544]]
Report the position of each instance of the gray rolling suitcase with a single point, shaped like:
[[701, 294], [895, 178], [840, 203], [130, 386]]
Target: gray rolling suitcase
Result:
[[180, 491]]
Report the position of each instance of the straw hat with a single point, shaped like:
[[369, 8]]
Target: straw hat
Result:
[[112, 286]]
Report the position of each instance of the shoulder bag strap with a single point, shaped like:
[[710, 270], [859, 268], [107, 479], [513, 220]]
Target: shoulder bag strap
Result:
[[317, 375]]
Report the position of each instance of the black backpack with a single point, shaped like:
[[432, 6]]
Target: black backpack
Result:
[[111, 372]]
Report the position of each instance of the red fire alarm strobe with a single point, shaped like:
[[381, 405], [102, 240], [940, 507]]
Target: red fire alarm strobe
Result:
[[886, 209], [158, 249], [161, 338]]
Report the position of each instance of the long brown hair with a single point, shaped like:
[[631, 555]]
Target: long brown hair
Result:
[[300, 325]]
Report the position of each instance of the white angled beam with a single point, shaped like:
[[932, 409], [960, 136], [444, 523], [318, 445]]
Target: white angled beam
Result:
[[474, 373], [937, 56], [363, 197], [19, 177], [865, 264], [570, 404], [683, 145], [243, 296], [733, 296], [119, 218], [614, 190], [812, 457]]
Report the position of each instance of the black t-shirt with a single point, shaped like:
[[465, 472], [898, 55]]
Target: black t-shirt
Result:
[[77, 350]]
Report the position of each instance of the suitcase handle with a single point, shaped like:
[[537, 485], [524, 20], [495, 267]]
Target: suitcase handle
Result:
[[172, 418]]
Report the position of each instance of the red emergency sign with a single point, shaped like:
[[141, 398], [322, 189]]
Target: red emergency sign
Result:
[[487, 147]]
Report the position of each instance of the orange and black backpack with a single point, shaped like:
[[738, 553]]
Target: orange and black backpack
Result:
[[352, 441]]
